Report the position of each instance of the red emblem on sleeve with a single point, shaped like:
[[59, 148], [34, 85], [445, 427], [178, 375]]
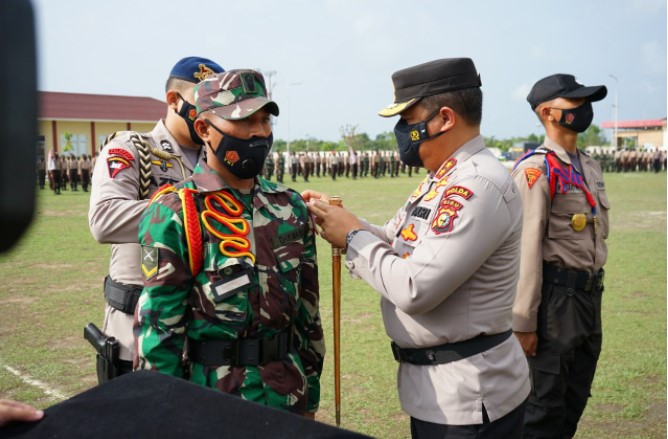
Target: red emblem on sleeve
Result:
[[463, 192], [118, 152], [532, 175], [116, 164]]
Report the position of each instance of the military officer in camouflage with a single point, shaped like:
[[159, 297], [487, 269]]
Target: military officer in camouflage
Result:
[[130, 168], [229, 261]]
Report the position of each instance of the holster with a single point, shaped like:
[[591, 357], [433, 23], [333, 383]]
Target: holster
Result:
[[107, 362], [120, 296]]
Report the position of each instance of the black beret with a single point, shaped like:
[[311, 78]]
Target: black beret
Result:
[[563, 86], [431, 78]]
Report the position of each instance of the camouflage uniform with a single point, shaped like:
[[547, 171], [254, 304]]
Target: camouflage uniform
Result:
[[177, 306]]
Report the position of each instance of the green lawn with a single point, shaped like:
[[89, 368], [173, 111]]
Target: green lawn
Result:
[[52, 286]]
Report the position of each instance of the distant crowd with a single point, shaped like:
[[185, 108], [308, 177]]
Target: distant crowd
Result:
[[75, 171], [631, 160], [62, 170], [335, 164]]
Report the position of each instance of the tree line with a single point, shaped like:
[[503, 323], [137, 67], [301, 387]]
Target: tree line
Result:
[[386, 141]]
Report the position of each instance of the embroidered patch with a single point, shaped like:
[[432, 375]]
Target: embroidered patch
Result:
[[288, 237], [421, 212], [431, 194], [449, 164], [166, 146], [116, 164], [149, 261], [450, 203], [204, 72], [443, 221], [463, 192], [118, 152], [231, 157], [408, 233], [445, 217], [532, 175], [600, 185]]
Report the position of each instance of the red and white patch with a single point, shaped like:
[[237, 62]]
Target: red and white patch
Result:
[[116, 164], [532, 175], [570, 117], [118, 152], [231, 157], [463, 192]]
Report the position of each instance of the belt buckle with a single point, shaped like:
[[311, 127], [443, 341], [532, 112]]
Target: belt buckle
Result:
[[231, 353], [590, 281], [250, 352]]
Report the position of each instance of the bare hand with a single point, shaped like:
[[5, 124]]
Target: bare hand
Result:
[[16, 411], [528, 341], [335, 221]]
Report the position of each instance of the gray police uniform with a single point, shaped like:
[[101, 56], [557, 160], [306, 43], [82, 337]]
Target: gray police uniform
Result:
[[446, 269], [116, 205]]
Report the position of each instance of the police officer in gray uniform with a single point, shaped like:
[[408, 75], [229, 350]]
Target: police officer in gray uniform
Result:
[[446, 265], [130, 168]]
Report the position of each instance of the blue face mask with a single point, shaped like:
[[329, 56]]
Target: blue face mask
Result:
[[409, 138]]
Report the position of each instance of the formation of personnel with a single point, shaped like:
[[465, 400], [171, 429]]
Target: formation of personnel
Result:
[[631, 160], [64, 170], [336, 164]]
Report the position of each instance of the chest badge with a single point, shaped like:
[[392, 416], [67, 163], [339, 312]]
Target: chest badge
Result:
[[579, 221]]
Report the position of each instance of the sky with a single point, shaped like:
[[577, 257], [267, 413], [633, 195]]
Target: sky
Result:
[[332, 60]]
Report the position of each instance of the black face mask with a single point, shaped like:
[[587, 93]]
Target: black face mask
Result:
[[189, 114], [577, 119], [244, 158], [409, 138]]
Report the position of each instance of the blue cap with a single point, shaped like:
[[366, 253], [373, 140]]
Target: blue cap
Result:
[[195, 69]]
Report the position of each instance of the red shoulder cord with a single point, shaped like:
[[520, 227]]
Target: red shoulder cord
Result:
[[555, 172]]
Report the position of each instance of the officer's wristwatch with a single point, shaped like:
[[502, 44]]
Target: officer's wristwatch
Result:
[[349, 237]]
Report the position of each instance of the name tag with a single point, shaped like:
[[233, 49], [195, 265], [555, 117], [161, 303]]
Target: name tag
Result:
[[287, 237], [231, 285]]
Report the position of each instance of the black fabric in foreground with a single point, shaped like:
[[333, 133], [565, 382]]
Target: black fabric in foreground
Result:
[[153, 405]]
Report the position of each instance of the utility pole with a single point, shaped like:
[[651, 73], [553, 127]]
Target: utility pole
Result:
[[616, 109], [290, 85]]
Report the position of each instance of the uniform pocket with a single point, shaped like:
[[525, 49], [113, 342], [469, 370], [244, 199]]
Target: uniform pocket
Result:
[[569, 318]]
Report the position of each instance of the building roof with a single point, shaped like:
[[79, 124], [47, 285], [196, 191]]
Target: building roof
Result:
[[90, 107], [635, 124]]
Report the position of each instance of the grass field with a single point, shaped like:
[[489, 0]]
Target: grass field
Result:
[[52, 286]]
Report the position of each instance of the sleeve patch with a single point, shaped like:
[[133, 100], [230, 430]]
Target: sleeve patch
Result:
[[532, 175], [149, 261]]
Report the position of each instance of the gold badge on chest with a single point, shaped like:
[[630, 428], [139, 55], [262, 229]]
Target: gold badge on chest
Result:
[[579, 221]]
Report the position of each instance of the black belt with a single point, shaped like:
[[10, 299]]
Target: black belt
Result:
[[120, 296], [449, 352], [242, 352], [578, 280]]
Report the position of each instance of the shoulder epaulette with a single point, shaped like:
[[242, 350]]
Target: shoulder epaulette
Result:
[[540, 150]]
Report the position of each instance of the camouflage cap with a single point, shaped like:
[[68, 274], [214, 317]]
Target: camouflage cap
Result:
[[233, 95]]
